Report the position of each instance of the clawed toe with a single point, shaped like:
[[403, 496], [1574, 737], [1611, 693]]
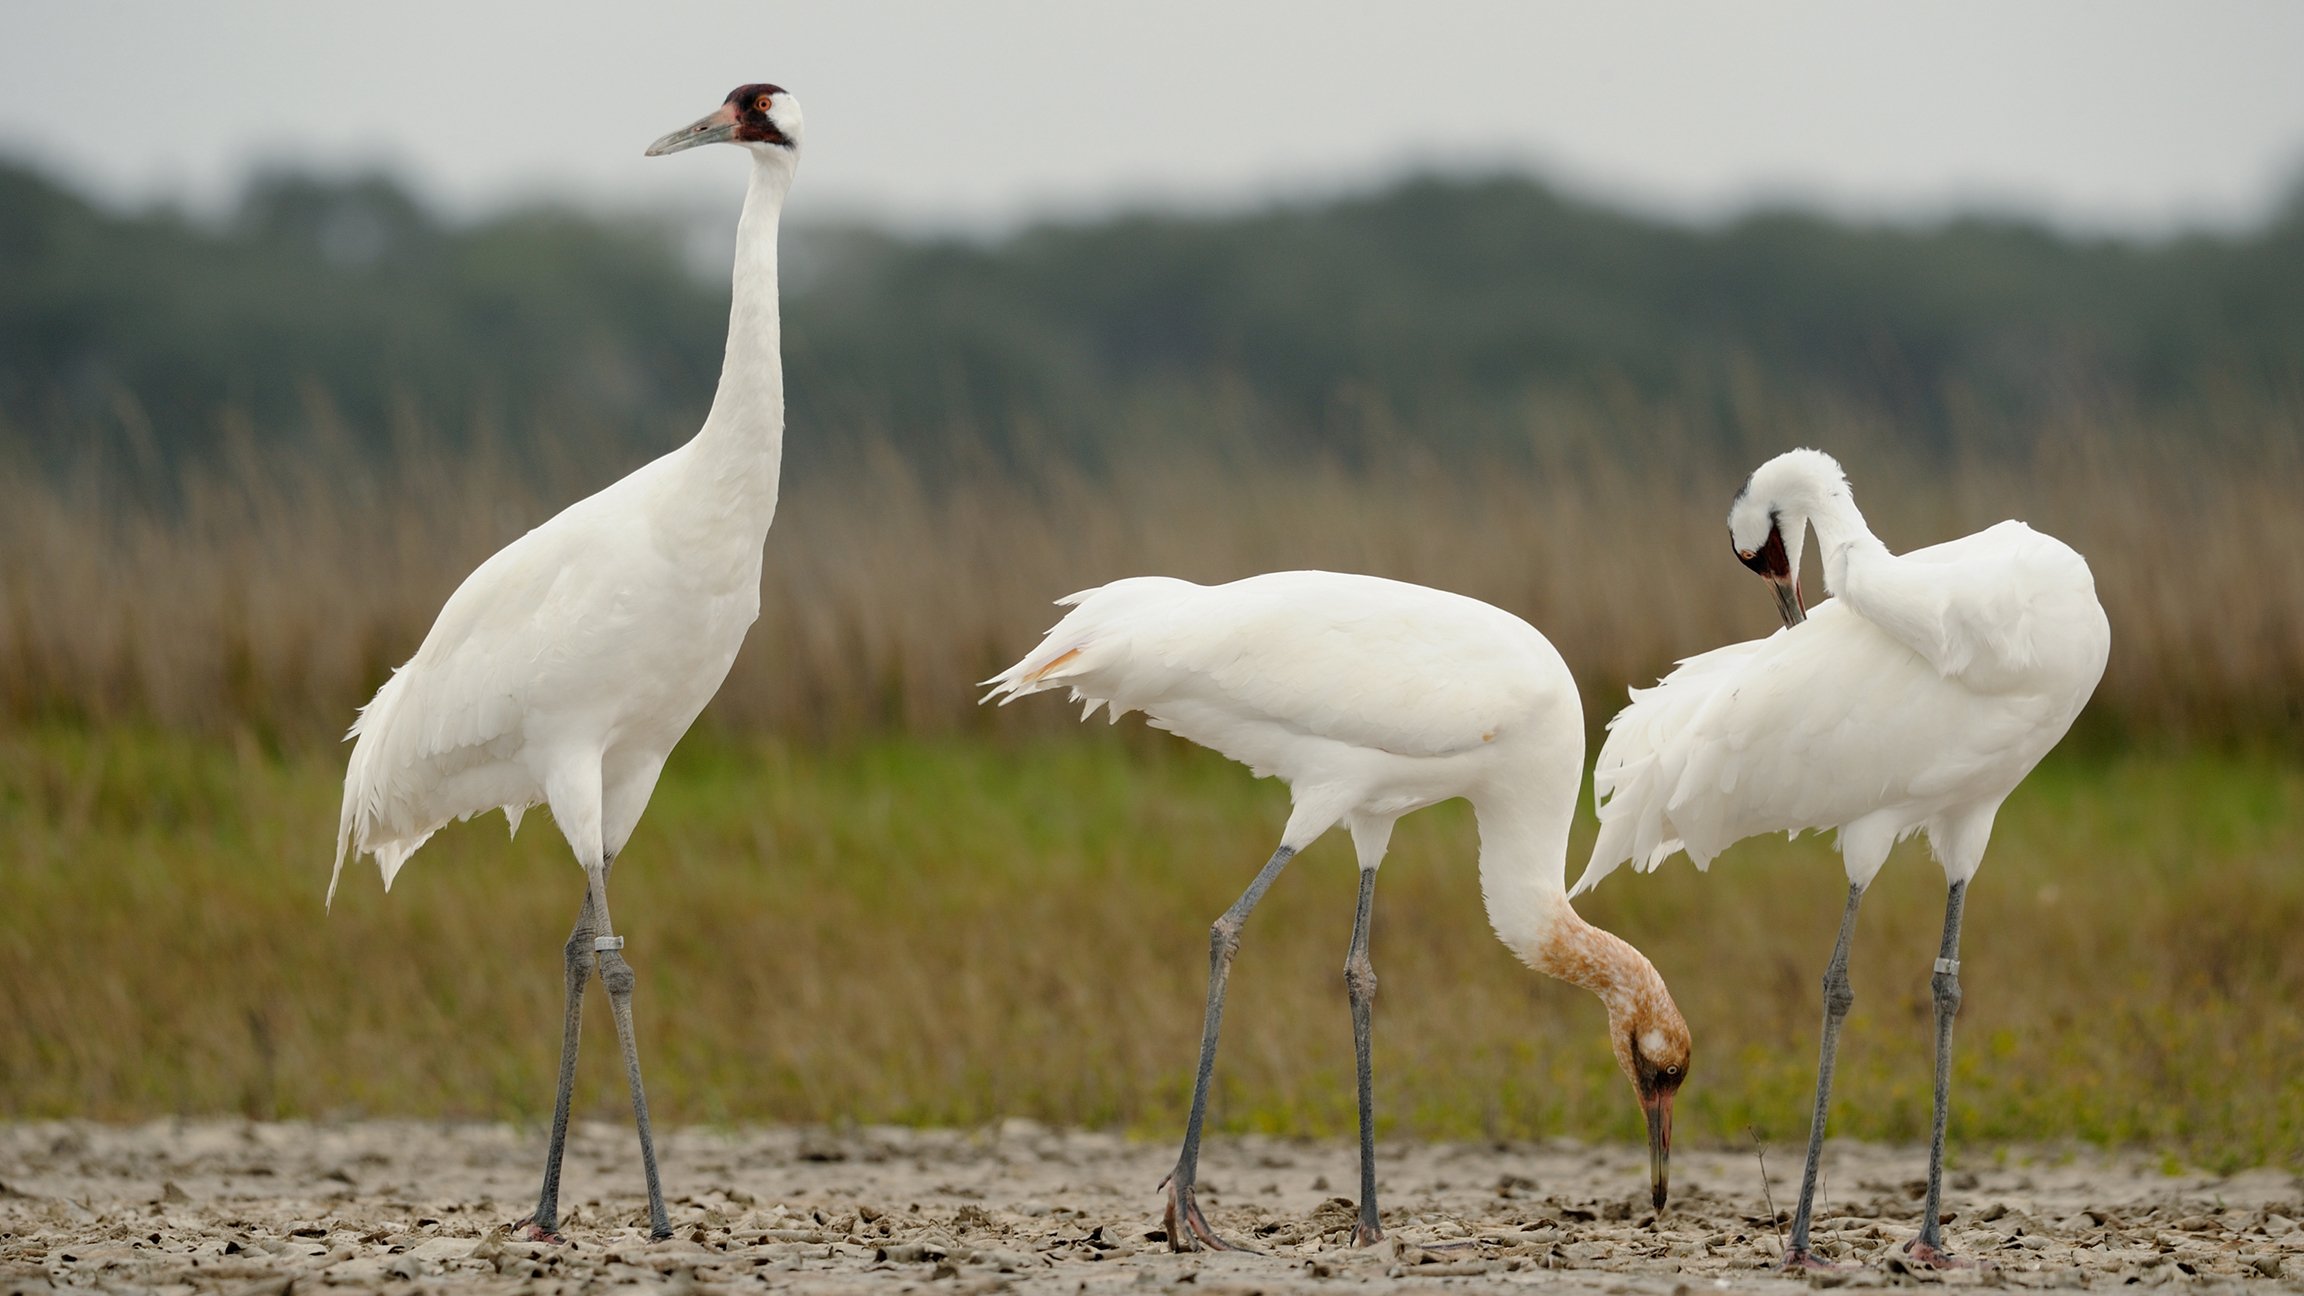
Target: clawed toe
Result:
[[1928, 1255], [527, 1230], [1188, 1229]]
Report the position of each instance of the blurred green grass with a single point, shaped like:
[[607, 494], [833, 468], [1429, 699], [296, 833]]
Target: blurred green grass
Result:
[[955, 930]]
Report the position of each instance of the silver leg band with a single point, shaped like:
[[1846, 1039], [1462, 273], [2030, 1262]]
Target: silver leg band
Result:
[[603, 944], [1949, 967]]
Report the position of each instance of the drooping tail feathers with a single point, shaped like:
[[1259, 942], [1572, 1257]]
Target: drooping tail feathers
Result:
[[1088, 652], [367, 788], [1654, 758]]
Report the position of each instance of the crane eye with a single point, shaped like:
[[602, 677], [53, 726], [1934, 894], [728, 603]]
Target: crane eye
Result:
[[1672, 1070], [1744, 554], [762, 103]]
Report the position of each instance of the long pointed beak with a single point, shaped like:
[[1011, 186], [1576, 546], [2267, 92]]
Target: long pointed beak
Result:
[[1659, 1148], [1788, 601], [719, 125]]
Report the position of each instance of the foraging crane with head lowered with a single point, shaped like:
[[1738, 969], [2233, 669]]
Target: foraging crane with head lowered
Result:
[[1371, 698]]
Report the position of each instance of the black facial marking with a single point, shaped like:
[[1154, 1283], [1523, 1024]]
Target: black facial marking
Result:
[[1770, 559], [752, 124]]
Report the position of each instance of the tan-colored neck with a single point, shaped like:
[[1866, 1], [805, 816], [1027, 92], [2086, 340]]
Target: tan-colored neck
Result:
[[1604, 963], [1523, 870]]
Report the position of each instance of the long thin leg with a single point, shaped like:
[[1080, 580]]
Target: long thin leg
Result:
[[1929, 1246], [616, 975], [543, 1226], [1839, 996], [1188, 1229], [1360, 983]]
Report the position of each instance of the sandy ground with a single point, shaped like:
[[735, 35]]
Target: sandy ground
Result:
[[269, 1208]]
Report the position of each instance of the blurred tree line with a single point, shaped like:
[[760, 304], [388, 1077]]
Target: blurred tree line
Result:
[[1432, 295]]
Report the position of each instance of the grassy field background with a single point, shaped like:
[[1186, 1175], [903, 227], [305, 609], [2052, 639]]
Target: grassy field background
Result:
[[244, 459], [955, 930], [859, 896]]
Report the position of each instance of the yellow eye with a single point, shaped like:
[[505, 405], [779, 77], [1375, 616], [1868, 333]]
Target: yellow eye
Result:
[[762, 103]]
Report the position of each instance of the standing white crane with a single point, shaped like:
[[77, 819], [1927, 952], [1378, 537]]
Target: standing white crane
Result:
[[564, 668], [1914, 700], [1371, 698]]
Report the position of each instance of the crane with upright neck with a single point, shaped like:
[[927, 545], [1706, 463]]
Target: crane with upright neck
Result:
[[565, 668]]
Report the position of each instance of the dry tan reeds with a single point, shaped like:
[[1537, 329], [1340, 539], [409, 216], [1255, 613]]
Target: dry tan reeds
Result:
[[270, 590]]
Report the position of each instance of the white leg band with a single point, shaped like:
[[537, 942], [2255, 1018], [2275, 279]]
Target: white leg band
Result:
[[1949, 967], [603, 944]]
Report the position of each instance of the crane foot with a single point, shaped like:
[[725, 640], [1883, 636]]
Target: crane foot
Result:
[[1927, 1255], [528, 1230], [1188, 1229]]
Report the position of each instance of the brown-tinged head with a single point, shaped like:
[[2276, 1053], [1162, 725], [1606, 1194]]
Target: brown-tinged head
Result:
[[1652, 1046], [1645, 1028], [759, 116]]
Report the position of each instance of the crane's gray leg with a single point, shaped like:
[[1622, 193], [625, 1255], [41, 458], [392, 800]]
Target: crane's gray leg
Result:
[[1188, 1229], [1928, 1248], [1360, 983], [543, 1226], [1839, 996], [616, 976]]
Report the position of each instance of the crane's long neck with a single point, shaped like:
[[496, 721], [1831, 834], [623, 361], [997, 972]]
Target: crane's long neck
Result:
[[738, 456], [1523, 872], [1843, 536], [1903, 598]]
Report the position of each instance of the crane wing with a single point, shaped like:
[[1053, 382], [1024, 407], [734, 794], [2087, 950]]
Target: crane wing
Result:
[[1972, 604], [1813, 727], [427, 748], [1351, 659]]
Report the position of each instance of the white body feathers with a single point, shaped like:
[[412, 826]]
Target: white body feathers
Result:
[[1364, 695], [565, 668], [1372, 698], [1914, 700]]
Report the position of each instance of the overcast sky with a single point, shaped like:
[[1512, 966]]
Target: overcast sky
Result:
[[2133, 115]]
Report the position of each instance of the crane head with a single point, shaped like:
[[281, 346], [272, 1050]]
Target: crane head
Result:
[[759, 116], [1652, 1046], [1774, 563], [1768, 522]]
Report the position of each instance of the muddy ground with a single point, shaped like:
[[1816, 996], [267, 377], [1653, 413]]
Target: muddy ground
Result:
[[268, 1208]]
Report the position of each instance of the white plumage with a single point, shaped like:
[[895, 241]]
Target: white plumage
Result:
[[1371, 698], [573, 660], [1914, 700], [1316, 677], [565, 668]]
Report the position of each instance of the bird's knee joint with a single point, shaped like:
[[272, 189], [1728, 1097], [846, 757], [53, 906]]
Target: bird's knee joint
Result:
[[616, 974], [578, 951], [1839, 995], [1224, 938], [1947, 988], [1360, 980]]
